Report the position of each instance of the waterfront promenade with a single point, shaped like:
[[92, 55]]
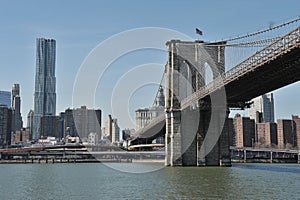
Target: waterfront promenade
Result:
[[89, 154]]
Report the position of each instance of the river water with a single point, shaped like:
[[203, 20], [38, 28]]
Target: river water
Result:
[[98, 181]]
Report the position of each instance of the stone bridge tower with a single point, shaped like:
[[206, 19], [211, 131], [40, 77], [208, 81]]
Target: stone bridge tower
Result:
[[196, 135]]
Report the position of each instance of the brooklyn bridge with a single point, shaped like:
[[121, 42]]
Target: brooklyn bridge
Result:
[[197, 104]]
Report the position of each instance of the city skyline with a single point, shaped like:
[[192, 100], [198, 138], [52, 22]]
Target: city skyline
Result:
[[75, 43], [150, 99]]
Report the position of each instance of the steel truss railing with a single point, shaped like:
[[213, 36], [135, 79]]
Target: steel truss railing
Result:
[[281, 46]]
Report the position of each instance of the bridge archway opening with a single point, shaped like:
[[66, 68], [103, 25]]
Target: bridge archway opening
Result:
[[208, 73]]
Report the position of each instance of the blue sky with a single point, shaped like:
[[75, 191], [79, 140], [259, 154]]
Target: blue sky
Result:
[[79, 26]]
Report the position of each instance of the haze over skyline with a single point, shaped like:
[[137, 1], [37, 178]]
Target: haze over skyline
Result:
[[79, 27]]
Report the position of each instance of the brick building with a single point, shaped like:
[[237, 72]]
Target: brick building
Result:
[[244, 135], [266, 134], [285, 133], [296, 130], [22, 136]]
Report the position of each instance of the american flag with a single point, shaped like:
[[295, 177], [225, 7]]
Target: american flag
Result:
[[199, 32]]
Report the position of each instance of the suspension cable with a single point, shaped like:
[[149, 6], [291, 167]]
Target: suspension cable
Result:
[[247, 44], [263, 31]]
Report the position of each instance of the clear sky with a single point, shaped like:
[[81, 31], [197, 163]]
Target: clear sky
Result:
[[79, 26]]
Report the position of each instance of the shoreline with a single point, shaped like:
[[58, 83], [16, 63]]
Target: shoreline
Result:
[[161, 161]]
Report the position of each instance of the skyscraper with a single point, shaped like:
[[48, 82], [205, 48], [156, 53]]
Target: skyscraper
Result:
[[112, 129], [5, 125], [17, 123], [45, 82], [15, 91], [108, 127], [82, 121], [5, 98], [51, 126], [115, 133], [262, 109], [30, 122]]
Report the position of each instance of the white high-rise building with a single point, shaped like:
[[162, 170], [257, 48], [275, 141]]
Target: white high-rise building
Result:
[[262, 108], [30, 122], [112, 129], [144, 116], [115, 132], [45, 82]]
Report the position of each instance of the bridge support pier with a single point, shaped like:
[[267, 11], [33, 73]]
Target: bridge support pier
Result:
[[187, 145], [190, 143], [213, 140]]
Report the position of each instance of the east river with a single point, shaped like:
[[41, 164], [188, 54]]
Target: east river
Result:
[[99, 181]]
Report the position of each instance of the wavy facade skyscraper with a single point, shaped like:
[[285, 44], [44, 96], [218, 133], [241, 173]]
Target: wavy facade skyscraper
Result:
[[45, 82]]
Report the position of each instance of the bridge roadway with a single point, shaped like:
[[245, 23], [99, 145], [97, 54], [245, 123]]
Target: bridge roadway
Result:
[[271, 68]]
